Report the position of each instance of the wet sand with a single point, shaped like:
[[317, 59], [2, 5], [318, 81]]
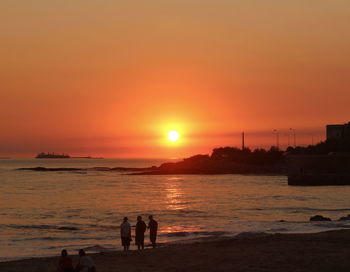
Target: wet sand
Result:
[[327, 251]]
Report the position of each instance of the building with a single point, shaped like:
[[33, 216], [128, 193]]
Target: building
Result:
[[318, 170], [338, 132]]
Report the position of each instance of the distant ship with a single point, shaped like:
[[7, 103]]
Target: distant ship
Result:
[[43, 155]]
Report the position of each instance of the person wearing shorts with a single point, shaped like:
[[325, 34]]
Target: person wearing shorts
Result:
[[125, 234]]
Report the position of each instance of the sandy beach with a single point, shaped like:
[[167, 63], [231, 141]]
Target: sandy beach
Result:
[[326, 251]]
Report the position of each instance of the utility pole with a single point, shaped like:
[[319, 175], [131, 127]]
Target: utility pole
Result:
[[277, 138], [288, 134], [294, 136], [243, 141]]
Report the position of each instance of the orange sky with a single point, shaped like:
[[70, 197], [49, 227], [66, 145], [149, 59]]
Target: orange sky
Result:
[[109, 78]]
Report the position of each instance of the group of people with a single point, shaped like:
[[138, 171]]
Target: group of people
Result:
[[86, 263], [125, 232]]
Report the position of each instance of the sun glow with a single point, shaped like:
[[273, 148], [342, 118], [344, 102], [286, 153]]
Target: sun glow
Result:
[[173, 136]]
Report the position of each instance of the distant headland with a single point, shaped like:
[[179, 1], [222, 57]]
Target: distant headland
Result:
[[227, 160], [53, 155], [223, 160]]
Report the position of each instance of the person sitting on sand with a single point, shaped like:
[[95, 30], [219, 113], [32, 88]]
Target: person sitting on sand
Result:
[[65, 262], [153, 227], [86, 264], [125, 234], [140, 233]]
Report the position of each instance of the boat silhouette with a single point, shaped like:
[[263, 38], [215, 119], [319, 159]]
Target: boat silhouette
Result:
[[44, 155]]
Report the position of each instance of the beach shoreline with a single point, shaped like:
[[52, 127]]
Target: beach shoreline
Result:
[[323, 251]]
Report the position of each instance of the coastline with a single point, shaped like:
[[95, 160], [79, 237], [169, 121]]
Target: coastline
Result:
[[156, 171], [323, 251]]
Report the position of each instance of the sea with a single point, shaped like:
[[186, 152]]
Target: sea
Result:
[[42, 213]]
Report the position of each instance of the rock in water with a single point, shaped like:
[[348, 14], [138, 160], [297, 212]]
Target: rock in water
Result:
[[344, 218], [319, 218]]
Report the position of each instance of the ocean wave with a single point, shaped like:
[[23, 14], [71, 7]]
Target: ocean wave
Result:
[[103, 226], [69, 238], [185, 233], [330, 224], [43, 227], [278, 229], [97, 248], [316, 209], [294, 209], [287, 197], [183, 211], [78, 227], [191, 212], [175, 179]]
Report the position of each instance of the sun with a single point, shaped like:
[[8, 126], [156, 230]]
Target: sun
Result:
[[173, 136]]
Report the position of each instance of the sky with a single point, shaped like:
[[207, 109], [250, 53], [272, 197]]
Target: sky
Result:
[[110, 78]]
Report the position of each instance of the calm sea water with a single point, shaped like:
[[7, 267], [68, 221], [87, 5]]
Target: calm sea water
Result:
[[43, 212]]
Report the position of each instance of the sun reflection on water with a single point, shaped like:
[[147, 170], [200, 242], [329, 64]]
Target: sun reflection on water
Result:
[[174, 194]]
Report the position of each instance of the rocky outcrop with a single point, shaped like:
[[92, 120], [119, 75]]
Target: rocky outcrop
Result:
[[344, 218], [319, 218], [58, 169]]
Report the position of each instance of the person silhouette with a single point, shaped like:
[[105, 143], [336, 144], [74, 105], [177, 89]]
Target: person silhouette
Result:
[[125, 234], [65, 262], [140, 233], [86, 264], [153, 227]]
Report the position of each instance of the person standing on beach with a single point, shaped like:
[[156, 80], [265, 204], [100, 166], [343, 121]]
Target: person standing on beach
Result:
[[65, 262], [153, 227], [125, 234], [140, 233]]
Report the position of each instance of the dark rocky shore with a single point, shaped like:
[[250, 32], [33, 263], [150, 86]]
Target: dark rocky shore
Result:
[[224, 160], [59, 169], [206, 165]]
